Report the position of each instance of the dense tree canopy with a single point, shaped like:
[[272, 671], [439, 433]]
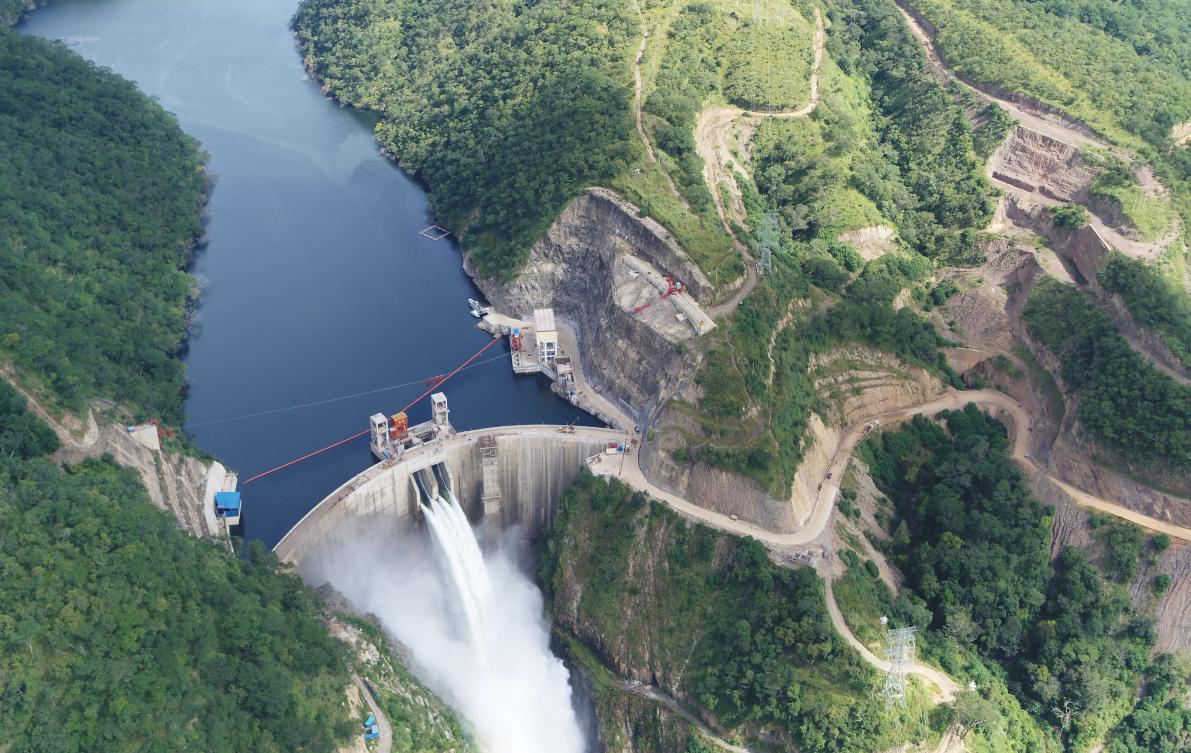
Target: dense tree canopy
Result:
[[1124, 402], [974, 545], [100, 198], [119, 632], [975, 538], [506, 110]]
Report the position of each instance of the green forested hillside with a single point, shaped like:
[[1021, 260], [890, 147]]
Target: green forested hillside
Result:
[[1116, 65], [100, 199], [1124, 402], [119, 632], [886, 145], [748, 641], [974, 545], [505, 110]]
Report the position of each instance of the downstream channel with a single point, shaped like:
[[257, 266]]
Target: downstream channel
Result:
[[316, 284]]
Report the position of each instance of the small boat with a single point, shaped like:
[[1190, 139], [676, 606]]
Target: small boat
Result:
[[477, 310]]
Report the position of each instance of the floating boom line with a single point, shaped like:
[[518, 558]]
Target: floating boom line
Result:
[[357, 435]]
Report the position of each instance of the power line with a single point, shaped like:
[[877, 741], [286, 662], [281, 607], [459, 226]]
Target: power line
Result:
[[437, 384], [900, 646], [329, 400]]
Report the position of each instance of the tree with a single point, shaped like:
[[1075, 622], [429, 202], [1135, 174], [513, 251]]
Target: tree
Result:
[[973, 711], [1070, 216]]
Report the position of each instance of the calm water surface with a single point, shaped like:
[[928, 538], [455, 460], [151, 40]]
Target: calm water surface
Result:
[[316, 283]]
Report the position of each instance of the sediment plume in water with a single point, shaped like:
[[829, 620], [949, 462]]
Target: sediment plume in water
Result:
[[473, 624]]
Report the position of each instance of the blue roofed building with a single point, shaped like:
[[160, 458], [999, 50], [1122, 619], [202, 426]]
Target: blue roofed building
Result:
[[227, 506]]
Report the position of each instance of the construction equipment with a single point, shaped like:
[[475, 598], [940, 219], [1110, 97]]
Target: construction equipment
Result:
[[569, 428], [673, 287]]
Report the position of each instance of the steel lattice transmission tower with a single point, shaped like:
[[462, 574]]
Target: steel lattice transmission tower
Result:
[[768, 238], [900, 647]]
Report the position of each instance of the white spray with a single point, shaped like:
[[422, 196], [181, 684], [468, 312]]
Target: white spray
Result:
[[474, 626], [460, 554]]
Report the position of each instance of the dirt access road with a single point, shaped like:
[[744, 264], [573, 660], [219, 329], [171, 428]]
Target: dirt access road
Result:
[[384, 743], [715, 136], [945, 687], [638, 104], [715, 139], [630, 472]]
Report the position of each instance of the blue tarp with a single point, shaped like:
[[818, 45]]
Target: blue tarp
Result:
[[227, 503]]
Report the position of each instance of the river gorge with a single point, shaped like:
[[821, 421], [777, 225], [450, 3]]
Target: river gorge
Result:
[[315, 283]]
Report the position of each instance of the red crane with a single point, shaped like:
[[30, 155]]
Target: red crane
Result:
[[672, 287]]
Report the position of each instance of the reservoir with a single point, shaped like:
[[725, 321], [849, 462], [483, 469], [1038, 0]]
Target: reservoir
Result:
[[316, 286]]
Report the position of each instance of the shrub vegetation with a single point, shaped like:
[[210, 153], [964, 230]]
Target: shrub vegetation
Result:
[[118, 631]]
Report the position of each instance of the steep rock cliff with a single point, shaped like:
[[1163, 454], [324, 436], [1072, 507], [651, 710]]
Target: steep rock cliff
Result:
[[573, 270]]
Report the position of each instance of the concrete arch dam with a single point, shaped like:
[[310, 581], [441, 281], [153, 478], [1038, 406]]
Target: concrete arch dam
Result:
[[508, 475]]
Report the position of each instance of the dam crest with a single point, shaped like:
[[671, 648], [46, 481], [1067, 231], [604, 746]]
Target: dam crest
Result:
[[505, 476]]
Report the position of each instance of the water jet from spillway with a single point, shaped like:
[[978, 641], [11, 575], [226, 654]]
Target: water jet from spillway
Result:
[[473, 624]]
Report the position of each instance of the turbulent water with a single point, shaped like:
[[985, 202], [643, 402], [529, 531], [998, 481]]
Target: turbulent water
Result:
[[460, 555], [473, 623]]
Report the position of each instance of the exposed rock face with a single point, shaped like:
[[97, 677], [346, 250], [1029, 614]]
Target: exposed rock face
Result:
[[175, 482], [1038, 163], [871, 242], [572, 270]]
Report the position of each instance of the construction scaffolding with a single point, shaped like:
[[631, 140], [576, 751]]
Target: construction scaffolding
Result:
[[900, 647]]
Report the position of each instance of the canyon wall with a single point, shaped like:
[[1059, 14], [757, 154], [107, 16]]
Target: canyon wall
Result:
[[571, 270]]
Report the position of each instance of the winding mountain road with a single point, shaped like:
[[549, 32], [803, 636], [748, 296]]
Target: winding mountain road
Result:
[[714, 134], [638, 106], [628, 469], [632, 474], [945, 688]]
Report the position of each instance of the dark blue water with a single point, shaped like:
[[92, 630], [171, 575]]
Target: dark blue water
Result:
[[316, 282]]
